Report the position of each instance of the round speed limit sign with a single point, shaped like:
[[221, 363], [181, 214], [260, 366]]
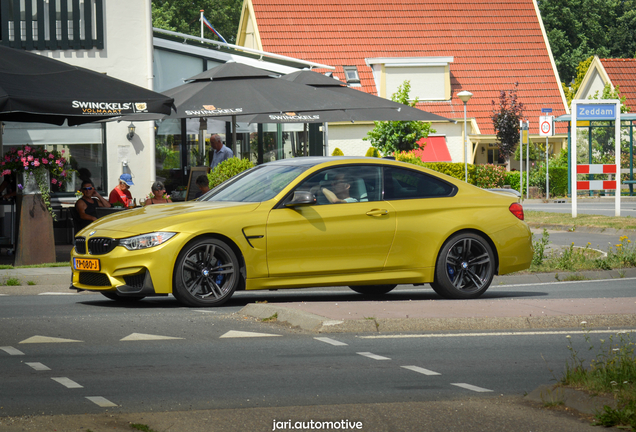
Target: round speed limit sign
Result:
[[546, 126]]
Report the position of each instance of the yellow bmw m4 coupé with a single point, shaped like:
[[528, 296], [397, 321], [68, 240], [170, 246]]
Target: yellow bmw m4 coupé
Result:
[[366, 223]]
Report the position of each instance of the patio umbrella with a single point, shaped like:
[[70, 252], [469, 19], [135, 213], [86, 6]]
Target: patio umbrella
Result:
[[35, 88], [242, 91], [367, 106]]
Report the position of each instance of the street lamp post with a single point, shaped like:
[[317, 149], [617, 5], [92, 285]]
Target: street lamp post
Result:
[[465, 96]]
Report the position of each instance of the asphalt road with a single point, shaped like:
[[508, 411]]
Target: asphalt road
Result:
[[598, 206], [71, 354]]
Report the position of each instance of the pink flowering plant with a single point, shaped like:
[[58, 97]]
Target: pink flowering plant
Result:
[[35, 161]]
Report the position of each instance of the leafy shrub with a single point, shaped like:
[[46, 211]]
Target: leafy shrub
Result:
[[373, 152], [228, 169], [337, 152], [490, 176], [453, 169], [512, 179], [558, 181]]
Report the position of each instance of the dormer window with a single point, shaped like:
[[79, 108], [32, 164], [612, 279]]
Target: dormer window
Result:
[[429, 76], [351, 74]]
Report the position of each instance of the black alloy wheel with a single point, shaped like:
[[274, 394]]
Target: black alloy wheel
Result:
[[207, 273], [465, 267]]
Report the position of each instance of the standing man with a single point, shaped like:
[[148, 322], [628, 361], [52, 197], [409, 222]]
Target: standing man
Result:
[[219, 151]]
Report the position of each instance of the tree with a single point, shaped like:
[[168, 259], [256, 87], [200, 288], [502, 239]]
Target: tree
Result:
[[391, 137], [505, 120], [581, 70], [183, 16], [579, 29]]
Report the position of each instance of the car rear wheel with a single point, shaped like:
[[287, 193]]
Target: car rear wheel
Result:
[[206, 274], [465, 267], [372, 290], [124, 299]]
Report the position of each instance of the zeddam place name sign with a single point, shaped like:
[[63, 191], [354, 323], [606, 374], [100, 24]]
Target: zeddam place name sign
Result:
[[595, 112]]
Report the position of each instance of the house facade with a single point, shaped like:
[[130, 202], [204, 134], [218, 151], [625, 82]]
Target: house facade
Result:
[[617, 72], [441, 47], [116, 37]]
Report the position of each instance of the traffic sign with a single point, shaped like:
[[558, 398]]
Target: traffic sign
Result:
[[546, 126], [546, 110]]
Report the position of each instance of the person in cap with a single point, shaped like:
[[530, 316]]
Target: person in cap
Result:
[[121, 192], [220, 152], [158, 195]]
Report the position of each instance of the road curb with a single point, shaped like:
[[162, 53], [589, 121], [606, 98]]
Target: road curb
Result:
[[554, 395], [318, 324]]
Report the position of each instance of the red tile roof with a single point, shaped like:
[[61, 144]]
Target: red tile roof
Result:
[[622, 72], [494, 43]]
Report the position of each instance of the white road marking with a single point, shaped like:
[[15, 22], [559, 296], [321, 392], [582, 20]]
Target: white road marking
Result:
[[38, 366], [330, 341], [205, 311], [373, 356], [66, 382], [101, 401], [46, 339], [421, 370], [11, 351], [244, 334], [58, 294], [146, 337], [533, 333], [471, 387]]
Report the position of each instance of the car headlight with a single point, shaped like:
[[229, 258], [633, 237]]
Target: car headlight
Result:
[[145, 241]]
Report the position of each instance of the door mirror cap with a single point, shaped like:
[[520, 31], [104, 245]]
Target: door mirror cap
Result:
[[301, 198]]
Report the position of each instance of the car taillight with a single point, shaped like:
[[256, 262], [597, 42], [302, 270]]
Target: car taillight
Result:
[[517, 210]]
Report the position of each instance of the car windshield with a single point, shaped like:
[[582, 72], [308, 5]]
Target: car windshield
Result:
[[258, 184]]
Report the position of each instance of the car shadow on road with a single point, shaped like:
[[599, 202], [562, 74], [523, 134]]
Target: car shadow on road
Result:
[[243, 298]]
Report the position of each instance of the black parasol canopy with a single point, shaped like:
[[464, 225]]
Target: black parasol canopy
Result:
[[35, 88], [367, 107]]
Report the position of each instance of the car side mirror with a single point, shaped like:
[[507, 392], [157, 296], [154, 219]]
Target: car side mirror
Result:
[[301, 198]]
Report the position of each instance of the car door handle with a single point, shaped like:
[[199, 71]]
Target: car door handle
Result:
[[377, 212]]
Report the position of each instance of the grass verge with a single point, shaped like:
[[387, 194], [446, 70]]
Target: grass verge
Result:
[[612, 371], [620, 255], [565, 220]]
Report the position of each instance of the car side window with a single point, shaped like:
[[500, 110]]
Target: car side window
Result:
[[409, 184], [345, 184]]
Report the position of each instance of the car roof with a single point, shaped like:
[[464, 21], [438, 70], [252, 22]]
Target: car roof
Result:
[[317, 160]]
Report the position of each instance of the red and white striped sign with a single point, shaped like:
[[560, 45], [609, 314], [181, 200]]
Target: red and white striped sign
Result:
[[596, 185], [596, 169]]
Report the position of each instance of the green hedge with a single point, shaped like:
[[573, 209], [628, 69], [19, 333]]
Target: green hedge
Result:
[[228, 169]]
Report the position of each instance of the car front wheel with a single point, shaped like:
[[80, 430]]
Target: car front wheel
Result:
[[465, 267], [206, 274]]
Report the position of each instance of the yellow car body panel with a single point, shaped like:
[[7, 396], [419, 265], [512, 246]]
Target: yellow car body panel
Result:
[[361, 243]]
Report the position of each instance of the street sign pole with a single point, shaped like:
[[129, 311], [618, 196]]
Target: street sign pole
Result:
[[527, 159], [546, 128], [521, 158]]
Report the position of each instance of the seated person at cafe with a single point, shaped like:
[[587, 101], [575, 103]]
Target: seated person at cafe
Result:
[[338, 191], [8, 187], [89, 201], [121, 192], [158, 194], [203, 183]]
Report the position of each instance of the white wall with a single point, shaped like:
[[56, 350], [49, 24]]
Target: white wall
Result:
[[127, 55]]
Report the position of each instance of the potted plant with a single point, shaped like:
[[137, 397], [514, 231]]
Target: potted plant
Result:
[[36, 169]]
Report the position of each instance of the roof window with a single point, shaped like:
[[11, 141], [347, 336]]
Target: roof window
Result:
[[351, 74]]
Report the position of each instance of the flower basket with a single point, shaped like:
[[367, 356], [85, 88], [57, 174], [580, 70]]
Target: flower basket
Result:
[[37, 168]]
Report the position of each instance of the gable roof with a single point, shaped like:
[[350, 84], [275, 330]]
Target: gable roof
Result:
[[622, 73], [494, 43]]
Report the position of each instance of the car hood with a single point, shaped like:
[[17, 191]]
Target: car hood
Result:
[[164, 217]]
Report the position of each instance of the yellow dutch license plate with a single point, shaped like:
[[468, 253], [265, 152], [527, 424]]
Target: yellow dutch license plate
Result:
[[86, 264]]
